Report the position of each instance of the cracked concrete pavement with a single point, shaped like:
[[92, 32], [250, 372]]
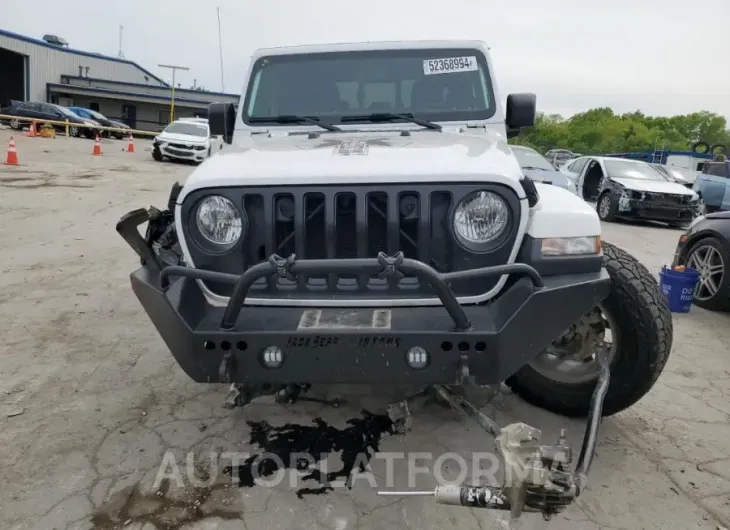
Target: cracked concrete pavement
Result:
[[92, 402]]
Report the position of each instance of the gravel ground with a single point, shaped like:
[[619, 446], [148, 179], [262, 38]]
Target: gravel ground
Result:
[[97, 420]]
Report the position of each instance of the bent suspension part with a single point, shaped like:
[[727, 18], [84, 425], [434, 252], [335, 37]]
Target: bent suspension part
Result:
[[537, 477]]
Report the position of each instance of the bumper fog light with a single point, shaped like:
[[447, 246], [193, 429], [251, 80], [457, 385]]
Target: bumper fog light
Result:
[[272, 357], [417, 358]]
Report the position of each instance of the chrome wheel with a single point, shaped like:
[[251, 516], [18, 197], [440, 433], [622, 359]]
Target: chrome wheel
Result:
[[73, 131], [15, 124], [572, 358], [604, 207], [708, 261]]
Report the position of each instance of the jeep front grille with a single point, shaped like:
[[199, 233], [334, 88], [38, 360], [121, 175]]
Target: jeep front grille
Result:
[[335, 222]]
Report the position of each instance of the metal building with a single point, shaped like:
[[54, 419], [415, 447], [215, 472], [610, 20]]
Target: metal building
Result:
[[48, 71]]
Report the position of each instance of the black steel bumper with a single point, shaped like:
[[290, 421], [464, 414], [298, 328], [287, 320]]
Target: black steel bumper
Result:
[[356, 345]]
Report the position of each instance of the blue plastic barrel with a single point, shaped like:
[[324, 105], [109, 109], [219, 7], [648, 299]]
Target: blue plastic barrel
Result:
[[678, 287]]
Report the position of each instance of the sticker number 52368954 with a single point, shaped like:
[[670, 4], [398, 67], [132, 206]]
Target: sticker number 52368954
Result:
[[449, 65]]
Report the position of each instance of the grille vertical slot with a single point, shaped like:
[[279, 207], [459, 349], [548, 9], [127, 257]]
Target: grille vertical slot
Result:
[[377, 234], [284, 233], [409, 212], [314, 207], [440, 243], [255, 247], [345, 207]]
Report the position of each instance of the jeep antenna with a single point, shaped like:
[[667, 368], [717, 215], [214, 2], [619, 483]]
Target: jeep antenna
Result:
[[220, 48]]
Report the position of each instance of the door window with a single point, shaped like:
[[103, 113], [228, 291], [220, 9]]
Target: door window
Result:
[[30, 107], [717, 169], [51, 111], [578, 165]]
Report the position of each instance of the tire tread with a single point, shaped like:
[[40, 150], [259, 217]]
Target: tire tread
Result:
[[643, 313]]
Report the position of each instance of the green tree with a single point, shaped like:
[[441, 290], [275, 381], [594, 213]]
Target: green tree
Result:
[[601, 131]]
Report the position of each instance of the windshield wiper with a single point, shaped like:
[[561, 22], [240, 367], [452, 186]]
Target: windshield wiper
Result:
[[535, 167], [390, 116], [294, 118]]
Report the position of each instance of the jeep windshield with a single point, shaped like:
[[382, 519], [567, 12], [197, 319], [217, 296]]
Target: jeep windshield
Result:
[[632, 170], [418, 86]]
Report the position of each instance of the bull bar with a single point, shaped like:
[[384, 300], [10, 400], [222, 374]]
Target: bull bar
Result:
[[541, 480]]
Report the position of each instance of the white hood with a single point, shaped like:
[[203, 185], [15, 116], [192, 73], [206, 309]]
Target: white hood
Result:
[[181, 138], [654, 186], [360, 157]]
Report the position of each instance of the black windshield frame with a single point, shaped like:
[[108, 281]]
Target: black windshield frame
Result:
[[417, 54]]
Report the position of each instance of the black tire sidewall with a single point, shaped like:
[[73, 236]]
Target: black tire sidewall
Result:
[[644, 333], [721, 300], [157, 154]]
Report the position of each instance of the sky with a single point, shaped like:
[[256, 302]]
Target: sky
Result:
[[663, 57]]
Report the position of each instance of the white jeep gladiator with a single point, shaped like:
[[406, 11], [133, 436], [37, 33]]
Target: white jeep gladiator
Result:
[[369, 223]]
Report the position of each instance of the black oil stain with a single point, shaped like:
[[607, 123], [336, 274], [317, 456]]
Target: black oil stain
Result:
[[358, 443], [130, 505]]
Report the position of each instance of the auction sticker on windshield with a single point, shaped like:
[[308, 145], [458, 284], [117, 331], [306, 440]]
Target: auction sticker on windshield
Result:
[[449, 65]]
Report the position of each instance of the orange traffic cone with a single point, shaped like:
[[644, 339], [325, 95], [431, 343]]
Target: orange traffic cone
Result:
[[130, 147], [31, 130], [12, 159], [97, 146]]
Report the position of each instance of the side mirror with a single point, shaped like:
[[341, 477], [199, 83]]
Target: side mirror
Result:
[[513, 133], [221, 120], [521, 111]]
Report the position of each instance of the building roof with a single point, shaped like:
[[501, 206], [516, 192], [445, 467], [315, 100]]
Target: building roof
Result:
[[43, 43], [71, 89], [182, 91]]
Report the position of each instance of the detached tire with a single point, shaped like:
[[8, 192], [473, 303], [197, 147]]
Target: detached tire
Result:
[[701, 144], [643, 333]]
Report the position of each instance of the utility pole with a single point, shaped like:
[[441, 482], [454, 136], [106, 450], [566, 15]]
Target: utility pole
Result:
[[220, 48], [172, 100], [121, 53]]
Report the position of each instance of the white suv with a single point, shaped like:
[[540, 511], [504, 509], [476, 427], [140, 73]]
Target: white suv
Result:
[[186, 139]]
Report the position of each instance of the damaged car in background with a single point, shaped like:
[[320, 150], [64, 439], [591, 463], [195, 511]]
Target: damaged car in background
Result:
[[631, 189]]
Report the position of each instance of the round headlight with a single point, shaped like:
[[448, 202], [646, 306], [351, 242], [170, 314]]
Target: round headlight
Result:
[[219, 221], [481, 218]]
